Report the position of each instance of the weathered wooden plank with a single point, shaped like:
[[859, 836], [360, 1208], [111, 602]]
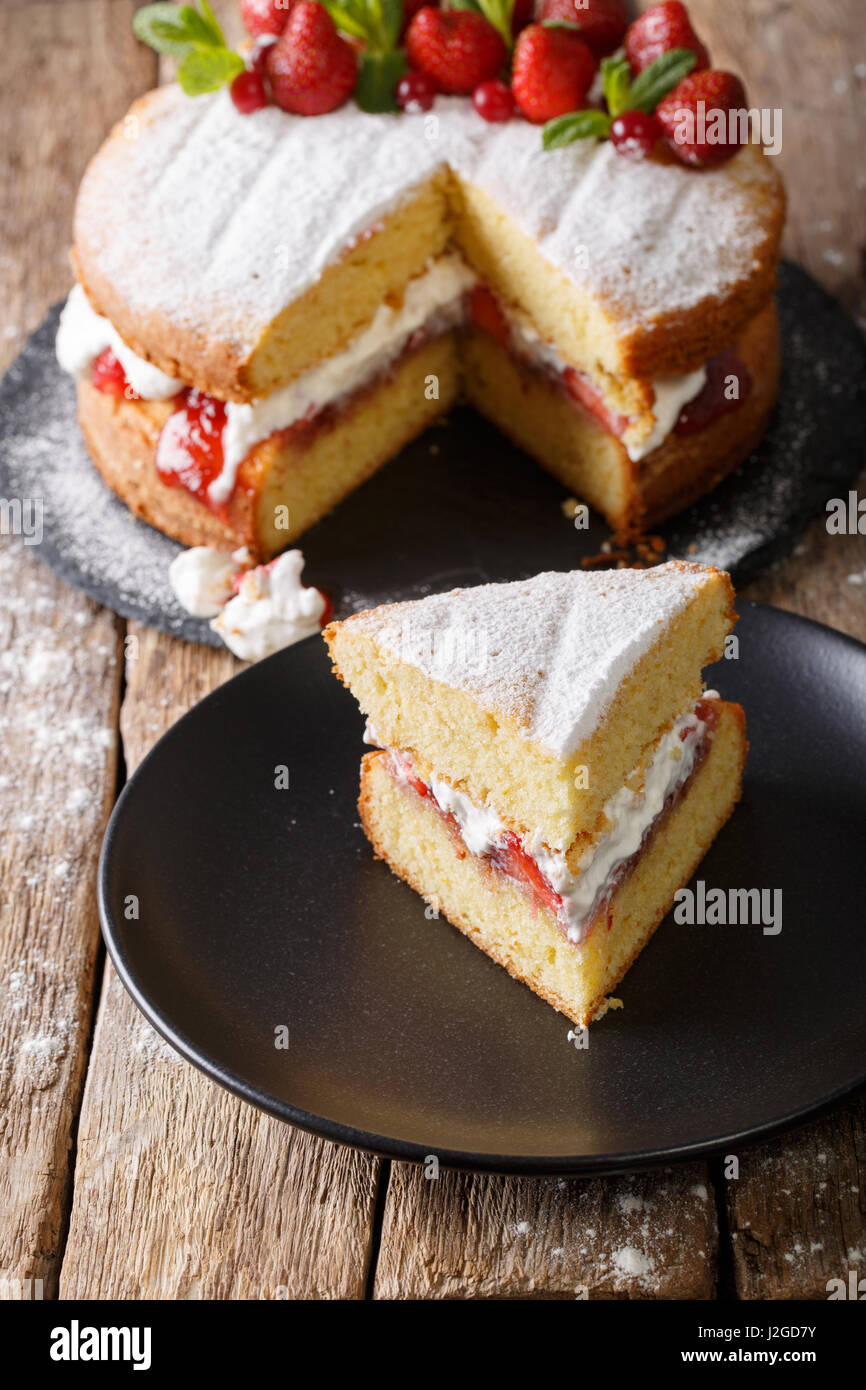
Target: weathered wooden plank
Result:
[[207, 1197], [797, 1211], [643, 1236], [67, 72], [59, 690], [59, 654]]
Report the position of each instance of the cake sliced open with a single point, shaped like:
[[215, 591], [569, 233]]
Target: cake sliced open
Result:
[[551, 771]]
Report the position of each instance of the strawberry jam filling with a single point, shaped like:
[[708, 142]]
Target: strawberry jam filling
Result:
[[728, 384], [108, 376], [578, 899], [190, 449], [511, 858]]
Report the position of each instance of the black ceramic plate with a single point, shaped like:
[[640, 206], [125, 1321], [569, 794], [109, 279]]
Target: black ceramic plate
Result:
[[261, 909], [460, 505]]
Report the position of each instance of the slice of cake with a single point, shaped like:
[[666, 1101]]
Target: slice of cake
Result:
[[551, 771]]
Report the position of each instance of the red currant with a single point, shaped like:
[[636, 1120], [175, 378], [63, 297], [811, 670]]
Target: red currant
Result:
[[494, 101], [249, 93], [634, 134], [415, 91]]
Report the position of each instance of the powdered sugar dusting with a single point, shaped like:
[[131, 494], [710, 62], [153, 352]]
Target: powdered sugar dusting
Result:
[[226, 218], [647, 238], [551, 652]]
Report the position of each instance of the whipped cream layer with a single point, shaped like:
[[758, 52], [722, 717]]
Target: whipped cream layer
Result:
[[631, 815], [433, 303], [83, 335], [256, 612]]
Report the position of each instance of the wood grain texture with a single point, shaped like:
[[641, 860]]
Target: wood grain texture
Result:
[[59, 689], [797, 1211], [59, 654], [182, 1191], [646, 1236], [67, 73]]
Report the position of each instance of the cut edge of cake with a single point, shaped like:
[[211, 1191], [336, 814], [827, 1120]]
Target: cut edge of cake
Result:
[[504, 916]]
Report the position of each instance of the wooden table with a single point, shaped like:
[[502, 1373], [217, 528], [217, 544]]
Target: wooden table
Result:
[[125, 1173]]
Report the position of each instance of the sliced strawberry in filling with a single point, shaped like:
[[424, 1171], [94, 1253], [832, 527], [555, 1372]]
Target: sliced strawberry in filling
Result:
[[190, 449], [587, 395], [511, 858], [109, 377], [484, 311]]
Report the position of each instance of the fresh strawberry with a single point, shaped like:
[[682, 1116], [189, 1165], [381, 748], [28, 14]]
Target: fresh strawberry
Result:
[[311, 68], [458, 48], [601, 23], [657, 31], [634, 134], [109, 377], [552, 72], [694, 117], [510, 856], [265, 16]]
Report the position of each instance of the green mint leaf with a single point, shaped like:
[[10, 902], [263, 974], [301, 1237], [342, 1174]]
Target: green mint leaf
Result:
[[463, 5], [162, 27], [349, 17], [391, 22], [199, 29], [498, 13], [560, 24], [577, 125], [206, 69], [660, 78], [616, 81], [202, 27], [378, 76]]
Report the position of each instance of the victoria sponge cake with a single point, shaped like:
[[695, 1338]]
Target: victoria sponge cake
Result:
[[549, 770], [269, 305]]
